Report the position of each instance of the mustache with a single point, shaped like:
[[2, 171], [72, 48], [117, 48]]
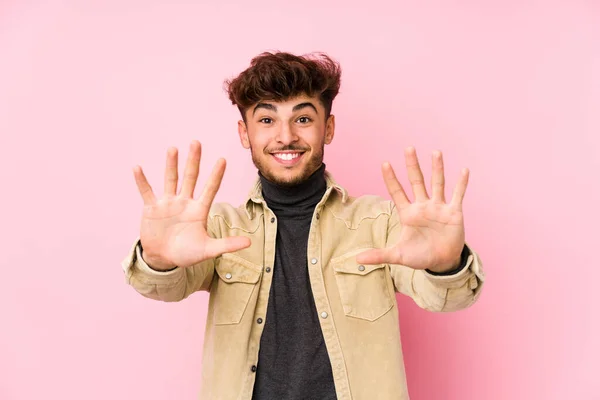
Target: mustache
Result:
[[287, 148]]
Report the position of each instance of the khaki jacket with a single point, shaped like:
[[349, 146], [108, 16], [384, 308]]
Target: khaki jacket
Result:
[[356, 304]]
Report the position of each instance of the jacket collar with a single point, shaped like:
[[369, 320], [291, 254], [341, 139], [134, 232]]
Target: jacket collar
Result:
[[255, 196]]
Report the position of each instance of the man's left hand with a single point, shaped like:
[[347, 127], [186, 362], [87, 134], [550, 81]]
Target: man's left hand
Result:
[[432, 234]]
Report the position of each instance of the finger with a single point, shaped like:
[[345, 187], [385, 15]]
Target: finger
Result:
[[460, 189], [393, 186], [216, 247], [379, 256], [212, 187], [437, 177], [415, 176], [171, 176], [143, 186], [192, 169]]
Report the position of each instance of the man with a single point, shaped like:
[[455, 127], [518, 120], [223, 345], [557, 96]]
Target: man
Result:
[[301, 276]]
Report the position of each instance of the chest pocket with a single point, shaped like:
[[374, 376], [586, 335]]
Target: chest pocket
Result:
[[364, 291], [231, 292]]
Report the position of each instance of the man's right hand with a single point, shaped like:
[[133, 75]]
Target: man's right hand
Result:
[[173, 232]]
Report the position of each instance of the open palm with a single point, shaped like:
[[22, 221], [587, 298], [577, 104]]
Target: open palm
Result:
[[432, 233], [173, 230]]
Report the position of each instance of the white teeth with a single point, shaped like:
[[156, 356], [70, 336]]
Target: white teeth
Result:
[[287, 156]]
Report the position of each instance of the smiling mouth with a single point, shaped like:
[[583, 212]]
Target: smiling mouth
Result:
[[287, 156]]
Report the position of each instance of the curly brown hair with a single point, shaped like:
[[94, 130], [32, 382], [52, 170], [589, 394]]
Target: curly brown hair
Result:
[[280, 76]]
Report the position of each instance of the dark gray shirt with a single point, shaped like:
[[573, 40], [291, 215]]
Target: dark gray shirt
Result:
[[293, 362]]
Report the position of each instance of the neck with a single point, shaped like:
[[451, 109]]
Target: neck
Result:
[[298, 200]]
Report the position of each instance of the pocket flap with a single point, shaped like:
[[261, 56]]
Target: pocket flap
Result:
[[234, 269]]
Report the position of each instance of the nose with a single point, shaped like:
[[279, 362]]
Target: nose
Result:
[[286, 135]]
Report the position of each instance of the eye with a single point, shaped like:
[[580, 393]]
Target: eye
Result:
[[266, 120], [304, 120]]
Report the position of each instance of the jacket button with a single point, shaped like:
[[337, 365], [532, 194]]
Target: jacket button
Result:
[[318, 216], [272, 219], [259, 321], [268, 269], [361, 268], [313, 261], [228, 275], [253, 368], [324, 314]]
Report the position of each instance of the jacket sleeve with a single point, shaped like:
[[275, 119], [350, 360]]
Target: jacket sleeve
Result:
[[437, 292], [172, 285]]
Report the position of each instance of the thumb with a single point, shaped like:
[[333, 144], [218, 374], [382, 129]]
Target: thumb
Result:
[[216, 247], [378, 256]]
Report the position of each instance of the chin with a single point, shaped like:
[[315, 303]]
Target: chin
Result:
[[286, 179]]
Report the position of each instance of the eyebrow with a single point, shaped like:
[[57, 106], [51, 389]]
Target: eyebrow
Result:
[[266, 106], [304, 105], [297, 107]]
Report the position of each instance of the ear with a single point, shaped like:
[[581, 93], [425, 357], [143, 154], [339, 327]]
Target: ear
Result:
[[243, 132], [330, 129]]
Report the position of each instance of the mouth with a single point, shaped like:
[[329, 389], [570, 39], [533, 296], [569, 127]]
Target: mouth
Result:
[[288, 157]]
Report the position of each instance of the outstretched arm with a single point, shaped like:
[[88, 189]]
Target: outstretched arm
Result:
[[174, 255], [426, 249]]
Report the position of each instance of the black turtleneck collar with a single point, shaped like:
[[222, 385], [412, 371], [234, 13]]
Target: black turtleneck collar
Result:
[[297, 201]]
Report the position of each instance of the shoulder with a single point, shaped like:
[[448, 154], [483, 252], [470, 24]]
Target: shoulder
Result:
[[230, 217]]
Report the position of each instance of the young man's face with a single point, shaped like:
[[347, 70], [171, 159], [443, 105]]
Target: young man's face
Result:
[[287, 139]]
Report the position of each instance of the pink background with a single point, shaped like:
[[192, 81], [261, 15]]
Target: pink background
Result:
[[90, 88]]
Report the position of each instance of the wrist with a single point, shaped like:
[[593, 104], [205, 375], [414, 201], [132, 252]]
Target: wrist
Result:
[[454, 267], [443, 268], [156, 263]]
